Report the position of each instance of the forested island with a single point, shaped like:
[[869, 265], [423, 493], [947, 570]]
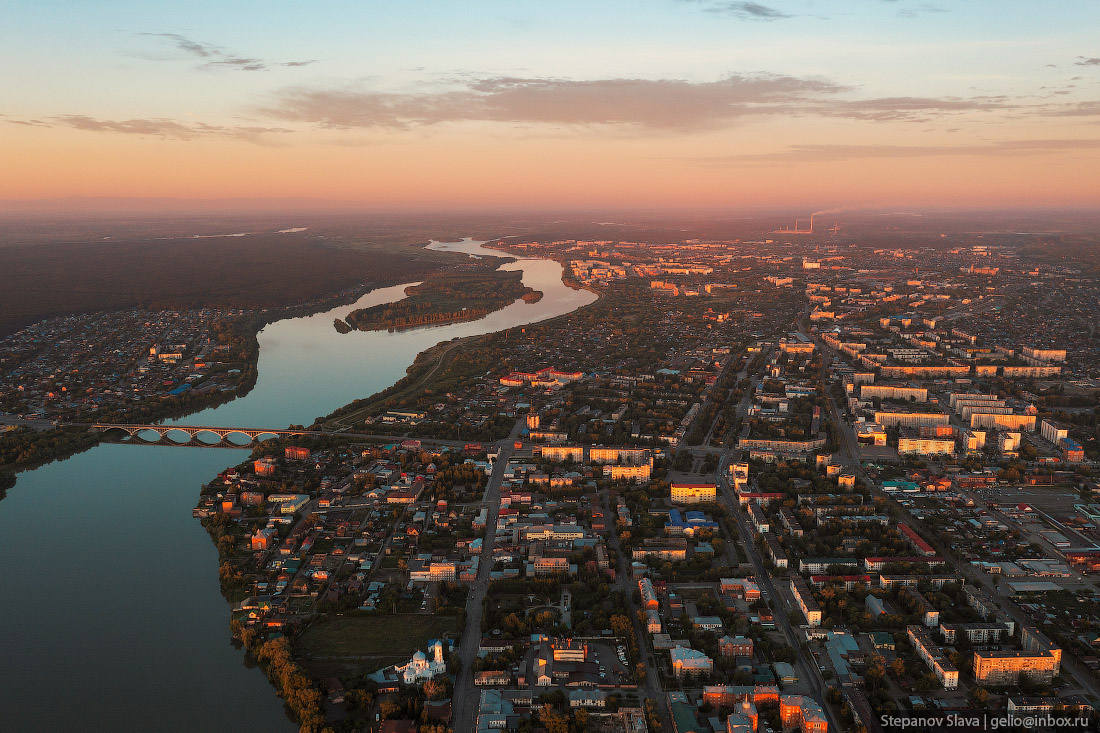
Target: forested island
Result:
[[445, 298]]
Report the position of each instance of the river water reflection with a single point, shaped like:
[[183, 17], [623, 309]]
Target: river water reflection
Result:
[[110, 609]]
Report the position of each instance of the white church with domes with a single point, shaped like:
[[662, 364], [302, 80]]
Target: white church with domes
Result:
[[424, 666]]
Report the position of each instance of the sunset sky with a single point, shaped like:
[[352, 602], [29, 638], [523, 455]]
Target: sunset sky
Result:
[[655, 103]]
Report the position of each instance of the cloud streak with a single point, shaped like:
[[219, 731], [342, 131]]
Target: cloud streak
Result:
[[748, 11], [215, 57], [653, 104], [827, 153], [166, 128]]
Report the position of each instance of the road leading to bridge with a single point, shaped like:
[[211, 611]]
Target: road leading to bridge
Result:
[[465, 699]]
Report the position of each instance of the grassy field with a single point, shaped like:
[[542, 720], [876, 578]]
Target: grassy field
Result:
[[352, 645]]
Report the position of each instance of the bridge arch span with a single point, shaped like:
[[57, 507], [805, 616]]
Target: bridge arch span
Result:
[[146, 435], [177, 436], [207, 437]]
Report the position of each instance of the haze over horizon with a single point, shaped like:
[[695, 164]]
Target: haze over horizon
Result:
[[663, 103]]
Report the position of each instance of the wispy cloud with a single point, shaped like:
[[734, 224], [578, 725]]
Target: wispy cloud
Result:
[[919, 10], [1083, 61], [214, 57], [747, 10], [25, 123], [646, 103], [654, 104], [165, 128], [826, 153], [1072, 109], [886, 109]]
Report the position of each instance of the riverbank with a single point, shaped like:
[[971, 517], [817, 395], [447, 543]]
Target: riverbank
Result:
[[27, 449], [567, 279], [345, 564], [148, 573], [436, 362]]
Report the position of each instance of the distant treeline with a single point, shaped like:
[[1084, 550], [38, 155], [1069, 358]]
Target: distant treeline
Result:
[[261, 271]]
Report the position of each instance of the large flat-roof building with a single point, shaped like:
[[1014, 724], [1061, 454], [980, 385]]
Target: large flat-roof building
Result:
[[693, 493], [1006, 668]]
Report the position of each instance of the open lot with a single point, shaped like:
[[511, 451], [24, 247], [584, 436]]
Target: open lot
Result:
[[348, 645]]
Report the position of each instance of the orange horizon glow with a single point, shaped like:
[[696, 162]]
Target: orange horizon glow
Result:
[[547, 173]]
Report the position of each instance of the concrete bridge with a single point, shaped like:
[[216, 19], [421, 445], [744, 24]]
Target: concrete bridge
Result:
[[132, 433]]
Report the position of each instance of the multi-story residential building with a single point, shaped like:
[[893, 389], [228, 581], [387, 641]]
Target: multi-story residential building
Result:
[[693, 493], [1033, 640], [627, 472], [1053, 431], [550, 565], [1006, 668], [969, 408], [910, 419], [976, 633], [930, 616], [724, 697], [781, 447], [1003, 422], [775, 551], [1072, 451], [915, 444], [1044, 355], [758, 518], [790, 522], [561, 453], [933, 656], [735, 646], [972, 441], [740, 474], [605, 454], [1030, 372], [848, 581], [902, 393], [672, 548], [803, 712], [653, 622], [915, 540], [805, 600], [765, 498], [887, 581], [878, 563], [820, 565], [956, 397], [650, 601]]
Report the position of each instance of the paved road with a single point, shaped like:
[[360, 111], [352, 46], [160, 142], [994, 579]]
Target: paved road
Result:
[[19, 422], [466, 698], [721, 375], [651, 688], [807, 667]]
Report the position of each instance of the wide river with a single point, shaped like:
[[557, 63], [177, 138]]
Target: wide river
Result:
[[110, 612]]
